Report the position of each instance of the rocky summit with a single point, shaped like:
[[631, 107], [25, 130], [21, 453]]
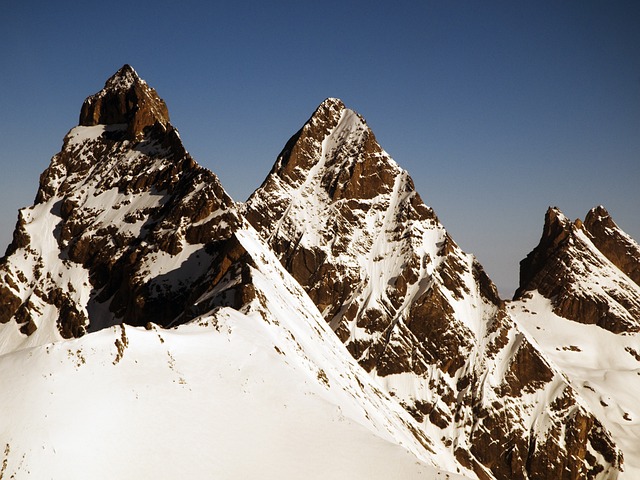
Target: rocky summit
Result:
[[333, 275], [125, 99], [586, 269], [122, 223], [579, 302], [419, 314]]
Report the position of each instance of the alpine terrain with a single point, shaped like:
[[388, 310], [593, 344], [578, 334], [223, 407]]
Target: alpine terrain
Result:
[[579, 302], [418, 314], [328, 327], [129, 235]]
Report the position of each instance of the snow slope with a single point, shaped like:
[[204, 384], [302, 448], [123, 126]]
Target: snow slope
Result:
[[602, 366], [264, 392], [418, 313], [213, 399]]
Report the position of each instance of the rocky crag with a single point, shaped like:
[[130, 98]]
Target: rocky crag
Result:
[[417, 312], [123, 223], [589, 269], [128, 229], [579, 302]]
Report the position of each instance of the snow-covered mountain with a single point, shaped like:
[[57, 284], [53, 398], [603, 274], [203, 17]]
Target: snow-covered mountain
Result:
[[128, 235], [579, 302], [121, 228], [418, 313], [585, 269], [328, 327]]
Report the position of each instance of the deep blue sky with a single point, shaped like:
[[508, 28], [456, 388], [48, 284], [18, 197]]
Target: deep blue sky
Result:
[[497, 109]]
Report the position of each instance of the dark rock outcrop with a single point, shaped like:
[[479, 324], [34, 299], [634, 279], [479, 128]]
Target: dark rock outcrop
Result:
[[618, 247], [570, 264], [414, 310], [126, 99]]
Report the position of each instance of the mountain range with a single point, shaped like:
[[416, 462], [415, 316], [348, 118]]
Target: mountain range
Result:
[[150, 325]]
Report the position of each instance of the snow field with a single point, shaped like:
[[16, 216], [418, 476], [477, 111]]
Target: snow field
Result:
[[207, 400], [602, 366]]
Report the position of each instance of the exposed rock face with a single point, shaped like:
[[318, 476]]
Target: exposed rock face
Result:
[[587, 273], [125, 222], [127, 228], [581, 269], [125, 99], [415, 311], [613, 243]]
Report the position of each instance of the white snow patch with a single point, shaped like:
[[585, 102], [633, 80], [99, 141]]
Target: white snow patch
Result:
[[602, 366]]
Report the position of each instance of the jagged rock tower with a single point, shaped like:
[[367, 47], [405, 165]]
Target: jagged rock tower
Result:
[[123, 223]]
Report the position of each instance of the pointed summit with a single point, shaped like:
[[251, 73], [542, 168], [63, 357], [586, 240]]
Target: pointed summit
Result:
[[124, 78], [328, 113], [557, 228], [305, 147], [574, 266], [336, 151], [125, 99], [616, 245]]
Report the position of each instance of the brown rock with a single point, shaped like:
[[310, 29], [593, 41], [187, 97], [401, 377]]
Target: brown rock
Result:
[[618, 247], [527, 372], [125, 99], [28, 328], [10, 303], [562, 257]]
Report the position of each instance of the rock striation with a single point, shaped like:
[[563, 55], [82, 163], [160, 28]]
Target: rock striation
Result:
[[582, 268], [341, 268], [418, 314]]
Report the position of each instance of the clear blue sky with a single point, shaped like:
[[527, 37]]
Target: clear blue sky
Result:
[[496, 109]]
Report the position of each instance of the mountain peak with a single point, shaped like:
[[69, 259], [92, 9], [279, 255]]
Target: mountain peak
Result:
[[123, 79], [330, 105], [325, 118], [347, 223], [554, 218], [598, 211], [577, 265], [557, 228], [125, 99], [615, 244]]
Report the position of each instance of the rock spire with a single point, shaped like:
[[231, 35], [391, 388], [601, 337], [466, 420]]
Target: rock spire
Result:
[[125, 99]]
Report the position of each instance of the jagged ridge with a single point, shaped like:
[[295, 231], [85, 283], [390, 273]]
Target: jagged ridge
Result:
[[418, 313], [127, 228], [579, 304], [571, 266]]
